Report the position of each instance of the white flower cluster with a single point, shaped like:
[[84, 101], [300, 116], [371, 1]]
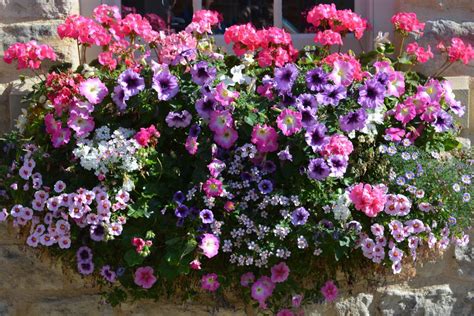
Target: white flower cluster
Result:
[[341, 207], [108, 151]]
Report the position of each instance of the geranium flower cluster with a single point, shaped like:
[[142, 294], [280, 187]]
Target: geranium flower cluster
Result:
[[28, 55], [247, 172], [332, 24]]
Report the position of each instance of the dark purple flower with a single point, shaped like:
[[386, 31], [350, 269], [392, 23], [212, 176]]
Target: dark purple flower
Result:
[[285, 154], [443, 121], [316, 137], [84, 254], [332, 95], [268, 166], [353, 121], [182, 211], [308, 117], [371, 95], [265, 186], [179, 197], [205, 106], [131, 82], [206, 216], [318, 169], [245, 176], [120, 97], [287, 99], [166, 85], [194, 130], [85, 268], [299, 216], [338, 165], [316, 79], [383, 78], [202, 74], [120, 271], [97, 232], [108, 274], [178, 119], [285, 77], [307, 100]]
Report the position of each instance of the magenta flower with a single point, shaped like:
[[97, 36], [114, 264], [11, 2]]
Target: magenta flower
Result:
[[209, 245], [209, 282], [227, 138], [93, 90], [81, 123], [246, 279], [213, 187], [261, 290], [329, 291], [220, 120], [280, 272], [224, 96], [404, 113], [195, 264], [144, 277], [61, 138], [285, 312], [289, 122], [265, 138]]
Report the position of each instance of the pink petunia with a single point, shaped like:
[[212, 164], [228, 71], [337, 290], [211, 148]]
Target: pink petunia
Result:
[[280, 272], [226, 138], [209, 245], [289, 122], [329, 291], [265, 138], [213, 187], [93, 90], [209, 282], [144, 277]]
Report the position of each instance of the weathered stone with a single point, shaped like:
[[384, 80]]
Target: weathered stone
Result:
[[4, 109], [5, 309], [359, 305], [164, 309], [27, 10], [90, 305]]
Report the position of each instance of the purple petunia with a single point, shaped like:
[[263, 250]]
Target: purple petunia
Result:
[[316, 79], [338, 165], [316, 137], [202, 74], [120, 98], [166, 85], [332, 95], [207, 217], [85, 268], [371, 95], [84, 254], [179, 197], [353, 121], [205, 106], [285, 77], [265, 186], [108, 274], [182, 211], [299, 216], [285, 154], [442, 121], [308, 117], [307, 100], [318, 169], [131, 82], [97, 232], [178, 119]]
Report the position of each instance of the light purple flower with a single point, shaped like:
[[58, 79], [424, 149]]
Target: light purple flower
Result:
[[338, 165], [166, 85], [355, 120], [84, 254], [207, 217], [178, 119], [108, 274], [307, 100], [442, 122], [93, 90], [332, 95], [202, 74], [85, 268], [131, 82], [371, 94], [316, 79], [265, 186], [285, 77], [97, 232], [299, 216], [120, 98], [205, 106], [318, 169], [316, 137]]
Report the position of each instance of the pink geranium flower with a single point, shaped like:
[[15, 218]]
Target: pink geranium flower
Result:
[[328, 38], [144, 277], [145, 135], [338, 145], [421, 54], [329, 291], [368, 199], [280, 272], [209, 282], [209, 245], [289, 122]]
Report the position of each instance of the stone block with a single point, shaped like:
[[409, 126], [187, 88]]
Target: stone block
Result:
[[78, 305], [4, 108], [28, 10], [5, 309]]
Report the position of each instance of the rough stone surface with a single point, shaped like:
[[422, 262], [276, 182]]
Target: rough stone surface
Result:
[[27, 10]]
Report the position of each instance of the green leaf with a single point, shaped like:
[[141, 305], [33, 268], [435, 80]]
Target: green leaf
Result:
[[188, 248], [132, 258]]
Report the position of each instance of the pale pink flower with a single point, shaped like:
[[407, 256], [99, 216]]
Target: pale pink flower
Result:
[[209, 245], [209, 282], [144, 277], [280, 272]]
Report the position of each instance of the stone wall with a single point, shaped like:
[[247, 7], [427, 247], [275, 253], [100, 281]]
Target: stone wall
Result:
[[33, 285]]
